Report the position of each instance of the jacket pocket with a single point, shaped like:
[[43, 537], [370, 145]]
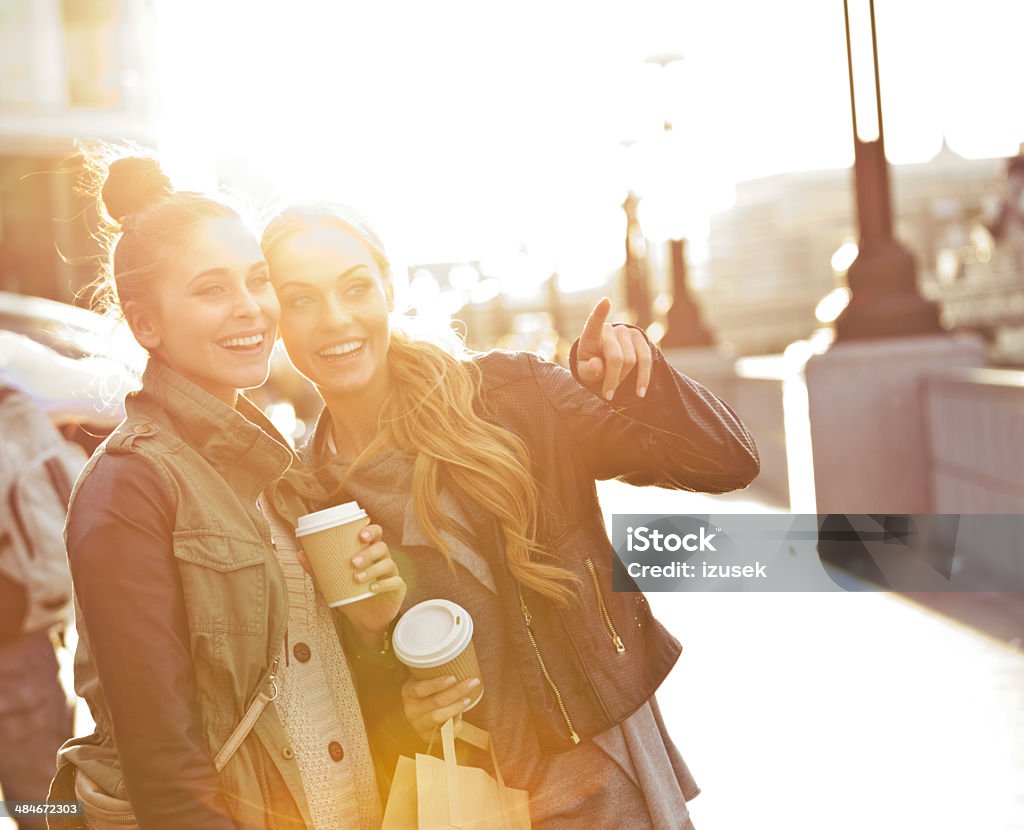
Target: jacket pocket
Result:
[[224, 581]]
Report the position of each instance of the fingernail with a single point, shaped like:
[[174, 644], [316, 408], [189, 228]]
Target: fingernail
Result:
[[642, 391], [609, 394], [360, 576], [357, 561], [375, 586], [449, 681], [364, 536], [466, 701], [474, 683]]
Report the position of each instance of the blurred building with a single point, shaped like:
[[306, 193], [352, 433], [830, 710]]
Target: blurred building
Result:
[[491, 311], [772, 257], [69, 69]]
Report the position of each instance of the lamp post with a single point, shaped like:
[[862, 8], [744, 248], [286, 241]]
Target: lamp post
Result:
[[634, 272], [683, 326], [884, 300]]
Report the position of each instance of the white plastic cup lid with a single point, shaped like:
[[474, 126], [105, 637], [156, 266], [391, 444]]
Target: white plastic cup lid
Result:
[[340, 514], [432, 633]]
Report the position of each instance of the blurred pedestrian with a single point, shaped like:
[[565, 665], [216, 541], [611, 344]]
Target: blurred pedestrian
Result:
[[187, 578], [482, 471], [37, 469]]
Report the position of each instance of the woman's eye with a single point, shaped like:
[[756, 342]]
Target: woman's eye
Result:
[[260, 281], [300, 301], [357, 290], [214, 290]]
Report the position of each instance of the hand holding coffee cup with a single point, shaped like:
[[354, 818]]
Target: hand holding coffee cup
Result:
[[435, 640], [368, 536], [346, 572], [427, 704]]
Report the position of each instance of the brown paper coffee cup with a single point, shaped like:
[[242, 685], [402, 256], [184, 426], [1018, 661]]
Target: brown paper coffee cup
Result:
[[330, 539], [461, 668], [435, 639]]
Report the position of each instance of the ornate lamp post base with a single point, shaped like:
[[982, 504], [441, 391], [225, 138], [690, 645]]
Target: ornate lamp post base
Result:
[[684, 326], [884, 298]]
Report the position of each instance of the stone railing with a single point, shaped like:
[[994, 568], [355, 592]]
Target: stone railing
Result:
[[975, 421]]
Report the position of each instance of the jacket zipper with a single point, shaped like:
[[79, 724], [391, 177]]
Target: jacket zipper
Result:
[[528, 619], [608, 624]]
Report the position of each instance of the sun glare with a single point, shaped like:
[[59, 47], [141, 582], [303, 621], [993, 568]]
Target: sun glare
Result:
[[463, 129]]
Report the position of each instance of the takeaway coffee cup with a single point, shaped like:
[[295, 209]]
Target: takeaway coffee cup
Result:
[[330, 539], [435, 639]]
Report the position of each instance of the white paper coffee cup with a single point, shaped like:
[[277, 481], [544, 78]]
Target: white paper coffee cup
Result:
[[435, 639]]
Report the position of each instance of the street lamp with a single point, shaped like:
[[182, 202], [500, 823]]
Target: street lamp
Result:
[[684, 326], [638, 292], [634, 269], [884, 299]]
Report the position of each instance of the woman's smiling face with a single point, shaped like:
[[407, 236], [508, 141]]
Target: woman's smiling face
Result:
[[214, 315], [335, 306]]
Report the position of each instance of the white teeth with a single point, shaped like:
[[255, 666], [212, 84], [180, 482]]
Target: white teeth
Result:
[[342, 348], [253, 340]]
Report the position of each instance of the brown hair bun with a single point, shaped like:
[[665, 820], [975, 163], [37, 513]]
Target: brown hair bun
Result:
[[132, 185]]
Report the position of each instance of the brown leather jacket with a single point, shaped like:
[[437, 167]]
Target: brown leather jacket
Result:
[[679, 436]]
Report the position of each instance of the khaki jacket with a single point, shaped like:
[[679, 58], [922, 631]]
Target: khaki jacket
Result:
[[214, 461]]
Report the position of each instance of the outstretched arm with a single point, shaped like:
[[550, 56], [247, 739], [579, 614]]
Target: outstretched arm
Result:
[[658, 427]]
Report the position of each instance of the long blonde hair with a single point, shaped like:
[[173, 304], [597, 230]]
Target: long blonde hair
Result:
[[433, 414]]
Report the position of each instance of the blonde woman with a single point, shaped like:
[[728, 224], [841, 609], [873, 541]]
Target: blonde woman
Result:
[[481, 471]]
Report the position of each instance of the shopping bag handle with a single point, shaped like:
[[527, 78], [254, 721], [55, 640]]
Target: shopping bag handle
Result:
[[481, 739]]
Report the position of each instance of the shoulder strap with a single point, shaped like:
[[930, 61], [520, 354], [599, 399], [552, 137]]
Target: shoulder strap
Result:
[[267, 694]]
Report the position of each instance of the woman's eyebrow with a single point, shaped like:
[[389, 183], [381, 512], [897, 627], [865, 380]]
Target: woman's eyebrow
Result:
[[209, 272], [348, 272], [224, 272], [306, 284]]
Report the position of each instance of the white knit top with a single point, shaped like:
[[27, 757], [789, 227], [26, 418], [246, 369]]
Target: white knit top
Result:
[[317, 702]]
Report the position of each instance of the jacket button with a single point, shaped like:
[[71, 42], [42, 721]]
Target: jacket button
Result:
[[337, 750], [287, 753], [302, 652]]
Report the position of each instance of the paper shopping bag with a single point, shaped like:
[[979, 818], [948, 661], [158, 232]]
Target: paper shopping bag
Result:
[[429, 793]]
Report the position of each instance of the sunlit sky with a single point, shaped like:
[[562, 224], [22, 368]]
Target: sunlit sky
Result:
[[472, 130]]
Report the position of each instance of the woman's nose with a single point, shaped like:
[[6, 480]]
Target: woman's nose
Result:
[[246, 304], [336, 313]]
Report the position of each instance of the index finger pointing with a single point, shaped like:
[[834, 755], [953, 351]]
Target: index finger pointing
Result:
[[593, 329]]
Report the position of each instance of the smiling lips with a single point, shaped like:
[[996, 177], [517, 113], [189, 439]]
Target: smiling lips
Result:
[[246, 344], [341, 351]]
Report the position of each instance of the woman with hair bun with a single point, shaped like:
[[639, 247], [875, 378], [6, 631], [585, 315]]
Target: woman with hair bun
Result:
[[213, 669], [481, 470]]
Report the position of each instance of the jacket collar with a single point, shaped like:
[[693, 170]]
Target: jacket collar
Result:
[[224, 436], [317, 450]]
